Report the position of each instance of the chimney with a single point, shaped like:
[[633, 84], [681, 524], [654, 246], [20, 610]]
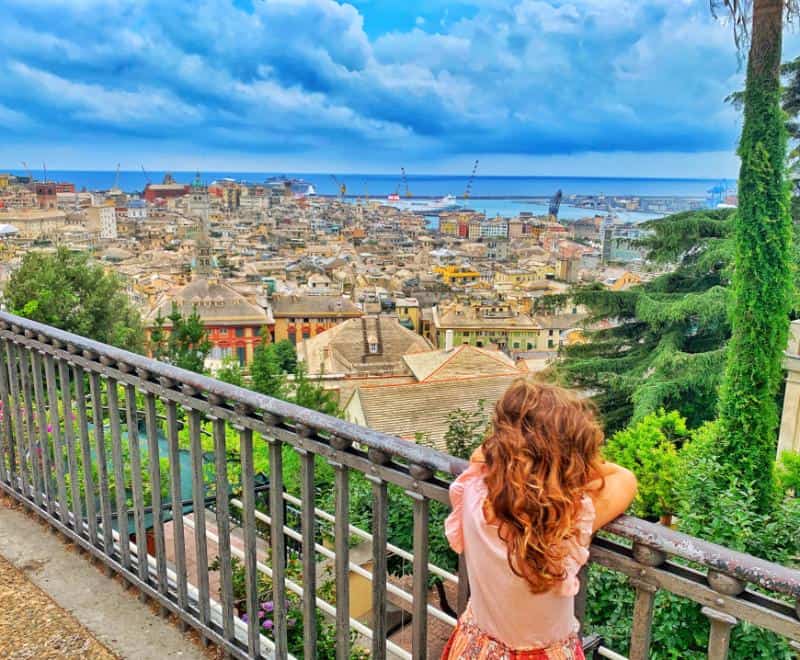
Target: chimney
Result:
[[448, 340]]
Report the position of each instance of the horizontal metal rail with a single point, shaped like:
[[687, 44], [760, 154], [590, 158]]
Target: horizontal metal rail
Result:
[[94, 440]]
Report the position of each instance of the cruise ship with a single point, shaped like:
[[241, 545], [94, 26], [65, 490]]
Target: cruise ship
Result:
[[423, 206], [299, 187]]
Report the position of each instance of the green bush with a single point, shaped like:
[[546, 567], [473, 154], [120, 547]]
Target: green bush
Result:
[[788, 473], [649, 448]]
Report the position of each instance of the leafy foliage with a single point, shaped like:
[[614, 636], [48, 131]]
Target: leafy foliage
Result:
[[466, 430], [649, 448], [67, 291], [231, 372], [185, 344], [659, 344]]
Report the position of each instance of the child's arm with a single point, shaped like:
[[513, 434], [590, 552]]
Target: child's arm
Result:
[[616, 494]]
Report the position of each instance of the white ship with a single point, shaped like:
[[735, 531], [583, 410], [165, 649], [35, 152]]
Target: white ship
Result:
[[423, 206]]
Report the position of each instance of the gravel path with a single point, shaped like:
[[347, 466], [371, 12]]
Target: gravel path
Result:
[[33, 626]]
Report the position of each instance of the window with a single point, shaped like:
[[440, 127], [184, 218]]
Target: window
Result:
[[516, 344], [550, 333], [306, 334], [530, 346], [373, 348], [240, 332], [241, 355], [305, 320], [550, 343], [257, 331], [223, 331]]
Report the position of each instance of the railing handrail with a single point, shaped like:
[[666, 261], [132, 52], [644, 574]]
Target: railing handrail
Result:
[[748, 568], [412, 452]]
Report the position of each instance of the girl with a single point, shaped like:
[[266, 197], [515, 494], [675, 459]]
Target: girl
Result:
[[523, 514]]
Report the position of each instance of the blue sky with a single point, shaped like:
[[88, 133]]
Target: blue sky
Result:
[[547, 87]]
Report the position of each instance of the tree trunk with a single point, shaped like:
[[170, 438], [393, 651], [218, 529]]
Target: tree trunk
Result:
[[762, 280]]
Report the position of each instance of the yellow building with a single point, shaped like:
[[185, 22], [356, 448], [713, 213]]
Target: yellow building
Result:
[[457, 274], [4, 180], [301, 317], [407, 310]]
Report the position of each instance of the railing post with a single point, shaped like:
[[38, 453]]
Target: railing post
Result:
[[720, 636], [419, 623], [153, 455], [223, 527], [249, 534], [44, 436], [18, 432], [308, 531], [34, 448], [342, 543], [379, 563], [96, 389], [8, 469], [176, 503], [277, 518], [120, 487], [137, 489], [641, 630], [199, 511]]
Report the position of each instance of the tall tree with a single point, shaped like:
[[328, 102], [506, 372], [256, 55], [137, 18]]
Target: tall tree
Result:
[[268, 374], [762, 276], [66, 290]]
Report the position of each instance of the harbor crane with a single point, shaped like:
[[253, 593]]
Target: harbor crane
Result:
[[116, 179], [405, 181], [27, 171], [44, 170], [341, 186], [468, 190], [555, 205], [146, 175]]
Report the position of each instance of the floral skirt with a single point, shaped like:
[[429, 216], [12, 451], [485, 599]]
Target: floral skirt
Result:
[[469, 642]]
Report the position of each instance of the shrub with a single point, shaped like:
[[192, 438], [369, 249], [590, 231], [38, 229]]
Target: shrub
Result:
[[649, 448]]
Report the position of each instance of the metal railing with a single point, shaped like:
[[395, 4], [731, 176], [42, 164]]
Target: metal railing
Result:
[[69, 402]]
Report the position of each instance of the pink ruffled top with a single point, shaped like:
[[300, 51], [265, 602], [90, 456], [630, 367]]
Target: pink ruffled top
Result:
[[502, 603]]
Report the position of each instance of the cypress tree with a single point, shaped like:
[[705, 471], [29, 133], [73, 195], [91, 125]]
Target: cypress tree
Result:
[[762, 277]]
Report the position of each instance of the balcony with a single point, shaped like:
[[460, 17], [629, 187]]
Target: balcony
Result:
[[68, 402]]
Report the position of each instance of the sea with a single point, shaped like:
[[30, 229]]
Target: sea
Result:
[[503, 195]]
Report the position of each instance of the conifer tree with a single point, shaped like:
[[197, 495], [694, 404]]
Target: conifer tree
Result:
[[659, 344]]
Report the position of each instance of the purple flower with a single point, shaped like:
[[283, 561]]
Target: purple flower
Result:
[[245, 618], [268, 606], [49, 428], [267, 624], [261, 614]]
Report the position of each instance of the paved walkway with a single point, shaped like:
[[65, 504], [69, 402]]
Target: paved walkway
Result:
[[56, 604]]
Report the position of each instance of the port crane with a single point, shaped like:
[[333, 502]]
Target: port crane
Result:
[[555, 205], [405, 181], [468, 190], [27, 171], [116, 179], [44, 170], [341, 186], [146, 175]]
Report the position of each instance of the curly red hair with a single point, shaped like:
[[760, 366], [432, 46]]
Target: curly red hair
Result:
[[543, 451]]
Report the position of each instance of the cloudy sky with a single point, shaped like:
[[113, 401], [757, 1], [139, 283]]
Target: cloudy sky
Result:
[[583, 87]]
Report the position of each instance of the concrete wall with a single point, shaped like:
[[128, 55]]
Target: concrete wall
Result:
[[789, 439]]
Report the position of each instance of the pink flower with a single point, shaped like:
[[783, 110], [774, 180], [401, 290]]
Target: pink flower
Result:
[[268, 624]]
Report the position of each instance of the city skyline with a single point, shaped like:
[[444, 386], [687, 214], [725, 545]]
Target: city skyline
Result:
[[588, 88]]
